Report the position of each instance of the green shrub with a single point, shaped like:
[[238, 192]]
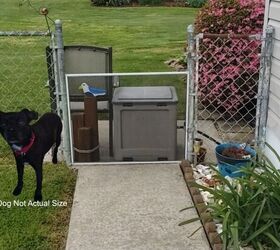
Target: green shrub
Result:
[[229, 68], [231, 16], [150, 2], [196, 3], [112, 3]]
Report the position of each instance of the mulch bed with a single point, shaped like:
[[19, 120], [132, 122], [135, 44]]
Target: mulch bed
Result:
[[205, 217]]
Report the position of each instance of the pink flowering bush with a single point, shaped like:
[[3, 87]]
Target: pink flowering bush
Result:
[[229, 67]]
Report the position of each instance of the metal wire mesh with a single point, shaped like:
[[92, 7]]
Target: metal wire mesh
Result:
[[227, 86], [25, 76]]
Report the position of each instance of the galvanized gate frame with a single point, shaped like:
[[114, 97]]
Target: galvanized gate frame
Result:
[[263, 91], [60, 92], [62, 98], [190, 95], [193, 56]]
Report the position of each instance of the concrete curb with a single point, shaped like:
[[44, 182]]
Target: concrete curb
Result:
[[209, 226]]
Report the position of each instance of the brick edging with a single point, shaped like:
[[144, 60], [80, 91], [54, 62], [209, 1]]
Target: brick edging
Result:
[[205, 217]]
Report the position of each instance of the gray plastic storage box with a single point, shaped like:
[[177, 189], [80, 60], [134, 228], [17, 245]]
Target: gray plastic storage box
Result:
[[145, 123]]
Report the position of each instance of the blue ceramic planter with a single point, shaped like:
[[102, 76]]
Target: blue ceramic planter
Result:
[[229, 166]]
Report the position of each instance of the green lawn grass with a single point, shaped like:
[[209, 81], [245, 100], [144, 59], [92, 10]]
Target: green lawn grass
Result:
[[31, 227], [142, 38]]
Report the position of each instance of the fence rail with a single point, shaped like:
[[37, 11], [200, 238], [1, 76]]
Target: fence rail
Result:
[[25, 33]]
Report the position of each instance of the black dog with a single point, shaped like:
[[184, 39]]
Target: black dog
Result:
[[30, 143]]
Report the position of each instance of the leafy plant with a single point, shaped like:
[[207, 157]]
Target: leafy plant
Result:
[[150, 2], [228, 72], [196, 3], [248, 207], [112, 3]]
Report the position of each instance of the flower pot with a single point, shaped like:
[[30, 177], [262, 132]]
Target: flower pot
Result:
[[201, 155], [230, 166]]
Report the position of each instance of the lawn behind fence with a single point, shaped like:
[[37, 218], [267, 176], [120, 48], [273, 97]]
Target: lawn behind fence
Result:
[[142, 38]]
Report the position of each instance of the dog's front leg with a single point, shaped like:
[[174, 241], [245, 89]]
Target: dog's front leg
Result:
[[39, 179], [20, 168]]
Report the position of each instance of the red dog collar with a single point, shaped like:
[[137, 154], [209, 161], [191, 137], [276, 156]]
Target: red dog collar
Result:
[[22, 151]]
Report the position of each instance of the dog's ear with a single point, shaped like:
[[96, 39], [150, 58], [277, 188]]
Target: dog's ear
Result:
[[30, 115]]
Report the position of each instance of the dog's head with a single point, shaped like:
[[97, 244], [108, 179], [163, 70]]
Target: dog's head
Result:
[[14, 126]]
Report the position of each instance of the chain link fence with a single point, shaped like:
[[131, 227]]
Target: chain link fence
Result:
[[228, 74], [226, 89], [25, 73]]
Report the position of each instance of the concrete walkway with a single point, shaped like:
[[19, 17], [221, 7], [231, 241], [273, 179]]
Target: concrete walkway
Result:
[[132, 207]]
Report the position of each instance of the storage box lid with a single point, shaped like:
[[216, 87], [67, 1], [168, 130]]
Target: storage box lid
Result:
[[165, 94]]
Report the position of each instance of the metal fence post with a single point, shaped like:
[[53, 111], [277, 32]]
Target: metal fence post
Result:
[[57, 91], [61, 75], [190, 96], [263, 91]]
